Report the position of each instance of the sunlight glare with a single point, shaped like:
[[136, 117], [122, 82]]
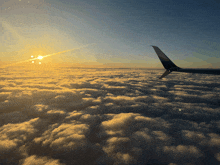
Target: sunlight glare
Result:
[[40, 57]]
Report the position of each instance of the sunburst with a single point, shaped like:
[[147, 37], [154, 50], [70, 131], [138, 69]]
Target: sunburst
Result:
[[40, 57]]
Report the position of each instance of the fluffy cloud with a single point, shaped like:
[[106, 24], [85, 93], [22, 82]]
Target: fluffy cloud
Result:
[[13, 136], [182, 154], [64, 137], [107, 116], [34, 160]]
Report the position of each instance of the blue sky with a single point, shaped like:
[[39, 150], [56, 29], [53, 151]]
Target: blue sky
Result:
[[187, 31]]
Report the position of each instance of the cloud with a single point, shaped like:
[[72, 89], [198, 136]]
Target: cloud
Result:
[[64, 137], [13, 136], [107, 116], [195, 137], [34, 160], [215, 140], [182, 154], [119, 121], [115, 148]]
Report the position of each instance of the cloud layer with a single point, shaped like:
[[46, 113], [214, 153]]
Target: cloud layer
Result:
[[66, 115]]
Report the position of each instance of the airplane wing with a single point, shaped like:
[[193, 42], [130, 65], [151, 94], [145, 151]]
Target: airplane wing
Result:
[[170, 66]]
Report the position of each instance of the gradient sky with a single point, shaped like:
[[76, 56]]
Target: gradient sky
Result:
[[187, 31]]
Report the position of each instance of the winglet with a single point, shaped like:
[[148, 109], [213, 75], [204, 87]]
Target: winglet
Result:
[[167, 63], [165, 74]]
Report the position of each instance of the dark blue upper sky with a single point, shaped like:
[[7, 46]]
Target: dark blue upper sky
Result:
[[123, 30]]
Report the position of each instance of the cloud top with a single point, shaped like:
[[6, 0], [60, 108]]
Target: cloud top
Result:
[[107, 116]]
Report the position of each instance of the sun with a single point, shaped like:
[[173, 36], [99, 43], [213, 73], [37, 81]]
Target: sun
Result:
[[40, 57]]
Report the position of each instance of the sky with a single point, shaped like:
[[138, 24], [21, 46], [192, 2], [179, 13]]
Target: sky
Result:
[[115, 32], [108, 116]]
